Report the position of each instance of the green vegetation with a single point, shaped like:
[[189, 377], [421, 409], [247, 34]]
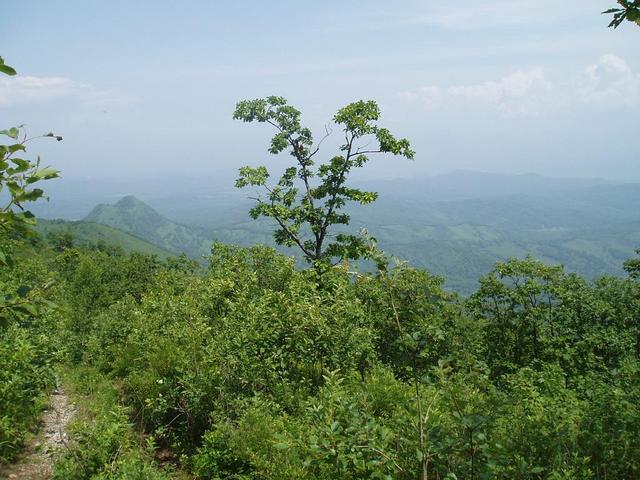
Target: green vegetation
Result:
[[106, 447], [307, 202], [136, 218], [6, 69], [26, 325], [94, 234], [628, 10], [253, 370]]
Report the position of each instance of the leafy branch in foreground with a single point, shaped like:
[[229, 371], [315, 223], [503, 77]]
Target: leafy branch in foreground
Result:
[[307, 200], [629, 10], [17, 178], [18, 175]]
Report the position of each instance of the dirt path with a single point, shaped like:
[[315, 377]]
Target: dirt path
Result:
[[36, 463]]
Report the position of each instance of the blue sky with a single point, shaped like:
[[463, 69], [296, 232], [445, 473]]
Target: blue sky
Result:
[[148, 88]]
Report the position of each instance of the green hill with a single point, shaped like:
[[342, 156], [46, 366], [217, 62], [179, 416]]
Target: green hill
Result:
[[459, 225], [137, 218], [455, 225], [89, 233]]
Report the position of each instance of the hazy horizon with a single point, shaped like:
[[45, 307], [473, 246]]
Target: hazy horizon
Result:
[[73, 198]]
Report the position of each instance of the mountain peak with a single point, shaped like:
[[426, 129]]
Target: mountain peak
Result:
[[133, 216], [128, 209], [130, 201]]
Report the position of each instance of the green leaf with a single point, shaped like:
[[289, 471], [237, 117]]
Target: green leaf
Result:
[[6, 259], [23, 290], [27, 308], [43, 174], [16, 147], [6, 69], [12, 132], [21, 164], [30, 195]]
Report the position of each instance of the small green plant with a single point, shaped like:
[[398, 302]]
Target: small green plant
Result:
[[104, 445]]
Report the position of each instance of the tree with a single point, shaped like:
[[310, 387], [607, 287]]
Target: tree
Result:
[[60, 241], [307, 201], [630, 10]]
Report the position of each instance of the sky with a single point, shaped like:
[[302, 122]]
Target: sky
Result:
[[148, 88]]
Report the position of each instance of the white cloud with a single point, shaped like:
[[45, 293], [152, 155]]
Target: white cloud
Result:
[[609, 82], [28, 89], [517, 94]]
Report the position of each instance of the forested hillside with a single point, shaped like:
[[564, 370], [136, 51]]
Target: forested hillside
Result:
[[456, 225], [256, 370], [135, 217], [63, 234]]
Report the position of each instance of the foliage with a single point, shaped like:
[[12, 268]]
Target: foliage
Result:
[[17, 178], [307, 201], [632, 266], [26, 313], [103, 446], [25, 373], [629, 10], [255, 370], [6, 69]]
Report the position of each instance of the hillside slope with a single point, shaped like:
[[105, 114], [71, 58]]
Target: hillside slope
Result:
[[457, 225], [461, 224], [89, 233], [137, 218]]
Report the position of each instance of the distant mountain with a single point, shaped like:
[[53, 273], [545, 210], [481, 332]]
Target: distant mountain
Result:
[[73, 198], [89, 233], [464, 185], [457, 225], [137, 218]]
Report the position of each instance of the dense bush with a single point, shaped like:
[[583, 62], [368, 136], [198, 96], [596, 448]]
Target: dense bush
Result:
[[25, 376], [104, 446], [259, 370], [28, 351], [256, 369]]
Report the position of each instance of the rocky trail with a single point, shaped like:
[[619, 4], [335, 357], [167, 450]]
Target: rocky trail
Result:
[[36, 462]]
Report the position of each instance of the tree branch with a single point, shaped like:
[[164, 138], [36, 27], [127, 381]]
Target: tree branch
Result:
[[328, 131], [332, 200], [293, 237]]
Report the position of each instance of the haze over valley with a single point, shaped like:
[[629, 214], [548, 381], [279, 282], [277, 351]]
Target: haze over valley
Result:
[[456, 225]]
